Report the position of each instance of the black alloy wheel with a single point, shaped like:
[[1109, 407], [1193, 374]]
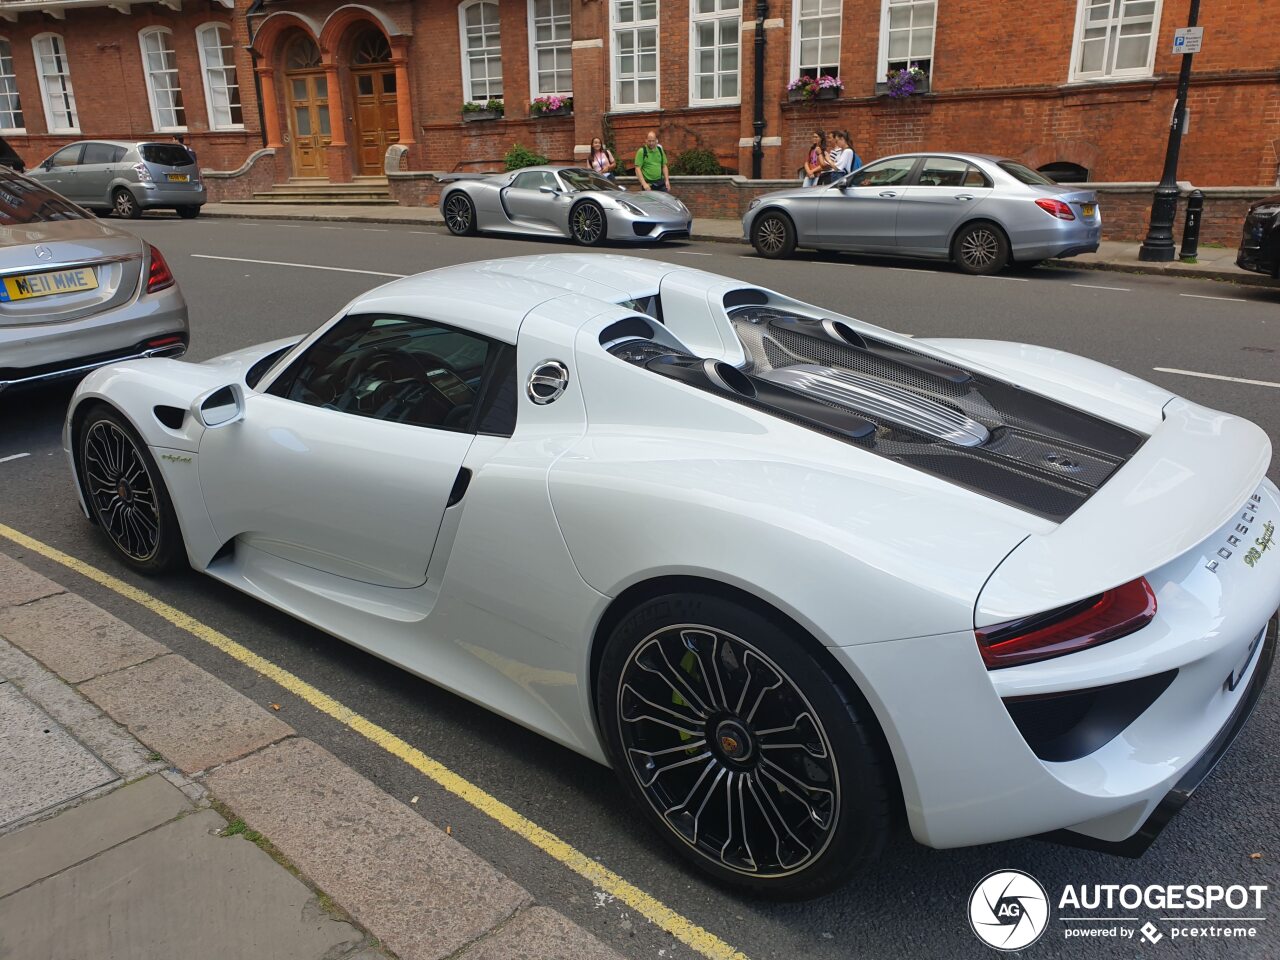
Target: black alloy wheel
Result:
[[124, 492], [189, 211], [125, 204], [767, 778], [586, 223], [773, 235], [980, 249], [460, 215]]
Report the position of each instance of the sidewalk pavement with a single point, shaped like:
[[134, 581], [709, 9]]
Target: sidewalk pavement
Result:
[[1213, 263], [149, 811]]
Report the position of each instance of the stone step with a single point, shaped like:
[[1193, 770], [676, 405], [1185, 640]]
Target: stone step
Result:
[[320, 201], [293, 197]]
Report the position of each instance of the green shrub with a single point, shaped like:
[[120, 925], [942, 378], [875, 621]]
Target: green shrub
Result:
[[520, 156], [696, 163]]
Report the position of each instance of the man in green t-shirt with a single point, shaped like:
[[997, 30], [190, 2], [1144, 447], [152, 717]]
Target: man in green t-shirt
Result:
[[651, 165]]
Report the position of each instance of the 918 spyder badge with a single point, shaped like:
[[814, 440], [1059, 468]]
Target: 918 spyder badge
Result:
[[1245, 520]]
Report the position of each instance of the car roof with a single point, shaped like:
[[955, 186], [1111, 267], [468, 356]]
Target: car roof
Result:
[[492, 297]]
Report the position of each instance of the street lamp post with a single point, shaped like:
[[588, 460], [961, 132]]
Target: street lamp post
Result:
[[757, 119], [1158, 245]]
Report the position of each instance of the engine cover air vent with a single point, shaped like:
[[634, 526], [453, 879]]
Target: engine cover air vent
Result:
[[882, 401]]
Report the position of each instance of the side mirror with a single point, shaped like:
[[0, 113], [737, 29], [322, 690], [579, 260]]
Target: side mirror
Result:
[[48, 164], [549, 189], [219, 407]]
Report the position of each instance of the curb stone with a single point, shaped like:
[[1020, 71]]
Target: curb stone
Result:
[[259, 768]]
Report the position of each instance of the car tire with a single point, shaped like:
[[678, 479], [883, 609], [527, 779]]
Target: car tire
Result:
[[460, 214], [125, 205], [189, 212], [796, 841], [773, 235], [125, 493], [980, 249], [587, 224]]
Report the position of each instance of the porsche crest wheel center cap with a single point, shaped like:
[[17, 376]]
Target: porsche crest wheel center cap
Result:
[[734, 741], [123, 491]]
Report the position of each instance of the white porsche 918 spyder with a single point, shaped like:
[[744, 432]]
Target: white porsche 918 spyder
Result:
[[791, 575]]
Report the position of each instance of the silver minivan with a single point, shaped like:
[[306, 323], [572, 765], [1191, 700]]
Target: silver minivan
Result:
[[125, 177]]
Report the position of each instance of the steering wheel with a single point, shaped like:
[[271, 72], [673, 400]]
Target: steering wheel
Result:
[[401, 366]]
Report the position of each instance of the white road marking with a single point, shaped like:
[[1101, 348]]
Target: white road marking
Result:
[[1097, 286], [902, 269], [690, 253], [993, 277], [1200, 296], [303, 266], [1218, 376], [424, 233], [330, 228], [375, 230], [15, 456]]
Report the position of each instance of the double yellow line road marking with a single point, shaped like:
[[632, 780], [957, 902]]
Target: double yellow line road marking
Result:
[[683, 929]]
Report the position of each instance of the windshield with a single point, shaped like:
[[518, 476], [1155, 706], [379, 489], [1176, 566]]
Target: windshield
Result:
[[1024, 174], [578, 179], [167, 154], [24, 202]]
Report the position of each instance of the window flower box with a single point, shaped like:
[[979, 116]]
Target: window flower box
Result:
[[808, 88], [907, 82], [552, 106], [483, 110]]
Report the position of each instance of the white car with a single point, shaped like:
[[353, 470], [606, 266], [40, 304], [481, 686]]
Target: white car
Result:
[[791, 575]]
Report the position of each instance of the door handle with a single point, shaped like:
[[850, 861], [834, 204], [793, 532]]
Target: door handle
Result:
[[889, 193], [460, 484], [964, 196]]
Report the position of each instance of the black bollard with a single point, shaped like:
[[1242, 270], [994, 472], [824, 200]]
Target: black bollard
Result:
[[1191, 229]]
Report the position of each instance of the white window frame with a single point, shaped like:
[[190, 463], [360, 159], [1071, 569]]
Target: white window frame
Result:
[[635, 26], [715, 17], [150, 80], [68, 89], [1075, 75], [534, 90], [13, 79], [795, 39], [204, 75], [466, 60], [883, 64]]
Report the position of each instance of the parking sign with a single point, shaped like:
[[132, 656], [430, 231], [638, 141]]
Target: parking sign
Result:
[[1187, 39]]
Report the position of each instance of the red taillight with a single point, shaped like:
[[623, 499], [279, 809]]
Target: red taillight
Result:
[[1108, 616], [1056, 208], [164, 341], [160, 275]]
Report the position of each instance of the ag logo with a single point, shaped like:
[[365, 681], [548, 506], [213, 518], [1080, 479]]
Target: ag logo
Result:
[[1008, 910]]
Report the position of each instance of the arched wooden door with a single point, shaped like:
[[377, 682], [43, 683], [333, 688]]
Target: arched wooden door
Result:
[[373, 80], [307, 93]]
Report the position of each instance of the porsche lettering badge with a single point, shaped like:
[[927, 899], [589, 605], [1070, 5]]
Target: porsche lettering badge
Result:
[[1247, 517]]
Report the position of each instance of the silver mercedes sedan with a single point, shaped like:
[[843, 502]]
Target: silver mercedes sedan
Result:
[[75, 292], [983, 213]]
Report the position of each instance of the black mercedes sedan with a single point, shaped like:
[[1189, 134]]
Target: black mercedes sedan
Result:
[[1260, 245]]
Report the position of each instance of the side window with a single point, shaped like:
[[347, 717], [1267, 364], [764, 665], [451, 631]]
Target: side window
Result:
[[973, 177], [527, 181], [943, 172], [99, 153], [884, 173], [398, 369], [67, 156], [117, 154]]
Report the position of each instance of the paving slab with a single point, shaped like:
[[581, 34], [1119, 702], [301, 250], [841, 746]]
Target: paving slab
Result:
[[74, 638], [194, 719], [177, 891], [540, 933], [41, 765], [420, 892], [43, 849], [21, 584]]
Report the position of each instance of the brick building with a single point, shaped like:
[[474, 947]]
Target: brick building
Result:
[[1086, 86]]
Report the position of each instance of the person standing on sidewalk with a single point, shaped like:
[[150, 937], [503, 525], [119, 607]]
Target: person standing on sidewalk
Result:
[[601, 159], [816, 160], [651, 165]]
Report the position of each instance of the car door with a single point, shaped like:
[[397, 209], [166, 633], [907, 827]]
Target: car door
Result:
[[525, 202], [58, 172], [345, 463], [93, 175], [860, 212], [945, 191]]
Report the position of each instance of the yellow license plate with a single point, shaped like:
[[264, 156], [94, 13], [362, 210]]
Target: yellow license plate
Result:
[[46, 284], [1088, 210], [178, 177]]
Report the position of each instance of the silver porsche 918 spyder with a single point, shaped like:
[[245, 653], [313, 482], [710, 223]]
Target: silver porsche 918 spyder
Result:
[[571, 202]]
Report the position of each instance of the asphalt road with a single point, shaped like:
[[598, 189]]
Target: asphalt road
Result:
[[914, 905]]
